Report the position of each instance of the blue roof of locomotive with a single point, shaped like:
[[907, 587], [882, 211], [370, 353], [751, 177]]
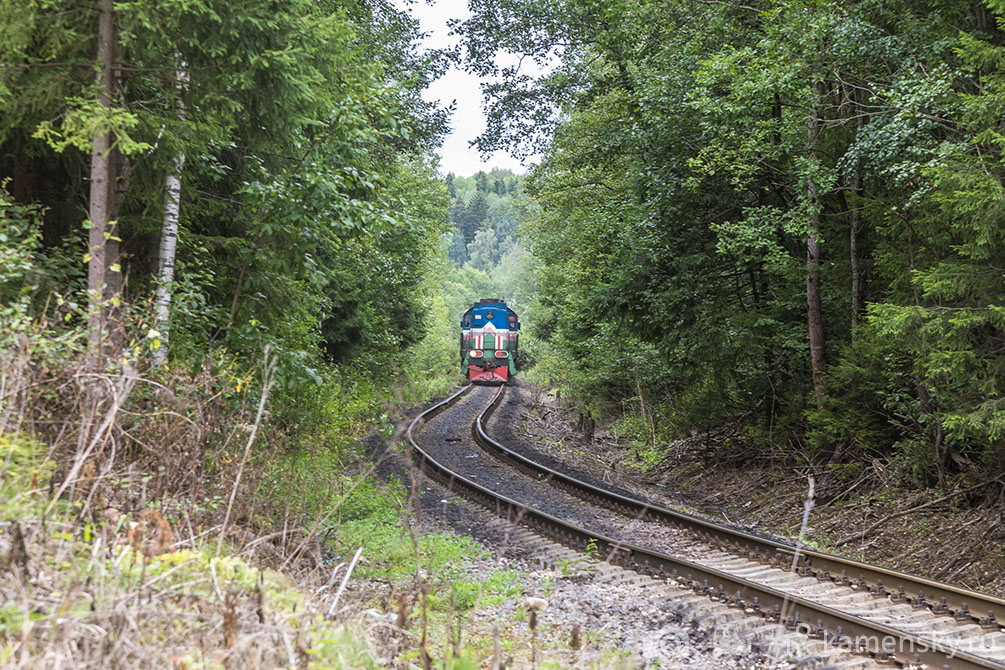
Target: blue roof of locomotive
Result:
[[500, 314]]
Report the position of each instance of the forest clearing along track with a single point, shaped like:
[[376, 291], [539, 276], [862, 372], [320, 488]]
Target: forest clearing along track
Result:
[[845, 603]]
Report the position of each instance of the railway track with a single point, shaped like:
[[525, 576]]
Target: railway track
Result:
[[895, 618]]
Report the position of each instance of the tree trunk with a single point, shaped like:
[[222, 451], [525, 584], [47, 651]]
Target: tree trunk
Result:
[[120, 170], [118, 180], [814, 313], [99, 193], [856, 268], [169, 243], [169, 232], [814, 316]]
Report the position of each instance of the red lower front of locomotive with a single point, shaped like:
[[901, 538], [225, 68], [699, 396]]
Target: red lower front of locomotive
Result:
[[488, 373]]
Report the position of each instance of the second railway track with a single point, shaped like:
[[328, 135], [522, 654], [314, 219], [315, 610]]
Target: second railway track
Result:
[[895, 617]]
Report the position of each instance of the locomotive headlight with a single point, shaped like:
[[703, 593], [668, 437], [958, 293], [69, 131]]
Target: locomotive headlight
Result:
[[502, 354], [475, 353]]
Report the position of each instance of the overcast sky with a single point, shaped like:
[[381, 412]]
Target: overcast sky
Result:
[[468, 119]]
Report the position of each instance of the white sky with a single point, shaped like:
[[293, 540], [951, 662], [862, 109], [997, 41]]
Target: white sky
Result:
[[468, 119]]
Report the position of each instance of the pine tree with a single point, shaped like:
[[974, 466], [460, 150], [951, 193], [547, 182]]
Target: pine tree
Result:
[[474, 216]]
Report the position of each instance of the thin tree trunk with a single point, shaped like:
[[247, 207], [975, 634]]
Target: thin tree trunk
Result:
[[118, 178], [120, 170], [814, 316], [814, 313], [169, 229], [169, 243], [856, 268], [100, 177]]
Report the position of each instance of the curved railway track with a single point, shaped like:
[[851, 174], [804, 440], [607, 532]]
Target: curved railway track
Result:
[[894, 617]]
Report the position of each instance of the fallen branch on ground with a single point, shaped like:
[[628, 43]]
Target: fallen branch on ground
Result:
[[865, 533]]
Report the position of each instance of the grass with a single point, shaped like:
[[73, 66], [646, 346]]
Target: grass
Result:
[[494, 589], [98, 582], [374, 518], [93, 572], [100, 576]]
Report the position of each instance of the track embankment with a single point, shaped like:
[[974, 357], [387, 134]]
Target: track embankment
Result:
[[849, 606]]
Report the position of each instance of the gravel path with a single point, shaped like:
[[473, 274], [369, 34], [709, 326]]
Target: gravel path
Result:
[[622, 622], [506, 425]]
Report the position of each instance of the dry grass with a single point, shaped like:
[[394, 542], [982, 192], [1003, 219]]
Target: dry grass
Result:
[[100, 602], [123, 591], [115, 547], [140, 527]]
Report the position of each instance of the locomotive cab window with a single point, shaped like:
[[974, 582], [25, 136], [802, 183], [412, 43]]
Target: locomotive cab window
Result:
[[467, 321]]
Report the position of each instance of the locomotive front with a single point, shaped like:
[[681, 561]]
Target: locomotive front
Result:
[[489, 342]]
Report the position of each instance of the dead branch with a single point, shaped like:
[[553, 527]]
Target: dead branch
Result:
[[865, 533]]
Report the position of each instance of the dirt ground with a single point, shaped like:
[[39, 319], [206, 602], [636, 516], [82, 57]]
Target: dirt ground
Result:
[[938, 534]]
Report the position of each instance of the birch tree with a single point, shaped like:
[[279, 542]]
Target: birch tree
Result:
[[166, 257], [169, 237]]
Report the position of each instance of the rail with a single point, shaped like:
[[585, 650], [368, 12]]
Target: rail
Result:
[[886, 643]]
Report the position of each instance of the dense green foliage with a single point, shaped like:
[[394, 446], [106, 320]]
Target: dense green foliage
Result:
[[484, 214], [311, 215], [705, 163], [779, 221]]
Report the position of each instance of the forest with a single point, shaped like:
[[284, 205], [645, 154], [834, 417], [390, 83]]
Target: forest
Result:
[[236, 178], [779, 226], [769, 231]]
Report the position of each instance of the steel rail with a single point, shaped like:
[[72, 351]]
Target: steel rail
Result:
[[791, 612], [941, 598]]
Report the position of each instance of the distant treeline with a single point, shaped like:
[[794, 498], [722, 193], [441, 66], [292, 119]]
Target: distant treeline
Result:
[[484, 212]]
